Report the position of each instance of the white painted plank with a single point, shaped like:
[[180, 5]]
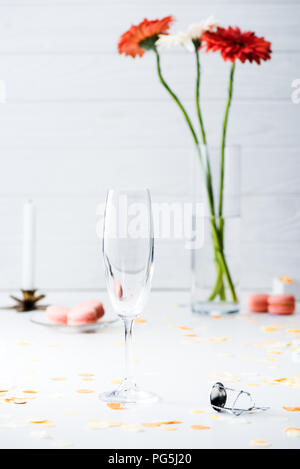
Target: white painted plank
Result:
[[94, 77], [86, 171], [271, 171], [263, 262], [69, 265], [165, 170], [271, 219], [86, 125], [95, 28]]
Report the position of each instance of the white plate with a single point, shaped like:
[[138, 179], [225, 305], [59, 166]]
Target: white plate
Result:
[[40, 318]]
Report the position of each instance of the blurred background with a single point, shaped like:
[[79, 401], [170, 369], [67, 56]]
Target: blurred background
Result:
[[79, 118]]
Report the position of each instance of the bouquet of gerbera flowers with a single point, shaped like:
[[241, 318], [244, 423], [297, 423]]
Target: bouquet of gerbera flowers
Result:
[[233, 45]]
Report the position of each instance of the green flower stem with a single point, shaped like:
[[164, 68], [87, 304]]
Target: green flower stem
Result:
[[209, 185], [224, 132], [221, 258], [219, 286], [173, 95], [198, 95], [215, 232]]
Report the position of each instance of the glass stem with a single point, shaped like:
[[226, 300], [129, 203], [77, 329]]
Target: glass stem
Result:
[[128, 325]]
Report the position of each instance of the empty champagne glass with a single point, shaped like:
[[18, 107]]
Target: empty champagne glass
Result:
[[128, 246]]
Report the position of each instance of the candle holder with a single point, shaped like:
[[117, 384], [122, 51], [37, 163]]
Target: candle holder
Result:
[[28, 302]]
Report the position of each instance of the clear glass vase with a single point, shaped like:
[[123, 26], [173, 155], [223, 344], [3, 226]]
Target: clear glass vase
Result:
[[216, 247]]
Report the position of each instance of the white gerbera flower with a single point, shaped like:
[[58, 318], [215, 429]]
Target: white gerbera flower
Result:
[[196, 30], [165, 41]]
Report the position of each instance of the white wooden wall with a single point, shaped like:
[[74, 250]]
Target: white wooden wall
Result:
[[79, 118]]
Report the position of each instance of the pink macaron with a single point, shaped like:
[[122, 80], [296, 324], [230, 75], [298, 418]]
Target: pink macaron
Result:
[[258, 303], [86, 312], [281, 304], [57, 314]]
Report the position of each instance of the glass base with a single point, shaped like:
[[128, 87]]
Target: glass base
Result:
[[213, 308], [129, 393]]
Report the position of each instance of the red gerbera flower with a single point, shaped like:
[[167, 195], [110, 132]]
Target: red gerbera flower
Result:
[[143, 36], [234, 44]]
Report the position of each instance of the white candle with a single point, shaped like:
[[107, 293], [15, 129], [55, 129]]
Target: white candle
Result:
[[28, 246]]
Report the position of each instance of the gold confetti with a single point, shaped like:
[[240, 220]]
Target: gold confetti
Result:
[[71, 412], [24, 343], [47, 425], [190, 335], [40, 421], [200, 427], [292, 431], [29, 391], [169, 428], [291, 409], [252, 384], [260, 443], [218, 339], [151, 424], [183, 328], [115, 405], [86, 375], [197, 411], [116, 381], [140, 321], [84, 391], [293, 331], [99, 424], [268, 329], [16, 400], [59, 379]]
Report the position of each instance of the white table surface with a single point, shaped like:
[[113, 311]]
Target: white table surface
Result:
[[180, 369]]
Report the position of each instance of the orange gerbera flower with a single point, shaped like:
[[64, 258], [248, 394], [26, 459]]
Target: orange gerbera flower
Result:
[[235, 44], [143, 36]]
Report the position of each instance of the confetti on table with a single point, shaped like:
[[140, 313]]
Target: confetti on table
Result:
[[95, 424], [291, 409], [39, 421], [132, 428], [23, 343], [71, 412], [86, 375], [140, 321], [292, 432], [151, 424], [293, 331], [47, 425], [197, 411], [115, 406], [169, 428], [59, 379], [29, 391], [218, 339], [200, 427], [268, 329], [116, 381], [16, 400], [190, 335], [84, 391], [260, 443]]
